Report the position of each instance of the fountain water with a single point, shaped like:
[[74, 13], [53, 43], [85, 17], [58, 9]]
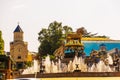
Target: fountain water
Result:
[[78, 63], [48, 65], [33, 69], [109, 58], [101, 66]]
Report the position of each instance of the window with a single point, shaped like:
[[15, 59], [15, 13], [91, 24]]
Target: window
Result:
[[19, 57]]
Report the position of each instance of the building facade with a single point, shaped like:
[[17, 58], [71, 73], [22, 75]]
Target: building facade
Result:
[[19, 48]]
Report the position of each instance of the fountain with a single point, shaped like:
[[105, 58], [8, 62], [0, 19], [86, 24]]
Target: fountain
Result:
[[74, 63], [76, 68], [78, 64], [33, 69]]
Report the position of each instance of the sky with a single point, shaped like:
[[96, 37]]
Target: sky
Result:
[[97, 16]]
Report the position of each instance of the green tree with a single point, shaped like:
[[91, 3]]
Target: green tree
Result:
[[50, 39], [67, 30], [1, 44], [44, 42]]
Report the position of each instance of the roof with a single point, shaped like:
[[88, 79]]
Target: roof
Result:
[[18, 29], [95, 39], [73, 35]]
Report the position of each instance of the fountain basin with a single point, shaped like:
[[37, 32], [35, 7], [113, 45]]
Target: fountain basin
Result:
[[71, 74]]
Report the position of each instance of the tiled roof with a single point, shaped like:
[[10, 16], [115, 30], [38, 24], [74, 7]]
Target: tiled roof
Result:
[[18, 29]]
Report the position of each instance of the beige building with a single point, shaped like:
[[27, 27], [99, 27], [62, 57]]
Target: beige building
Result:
[[19, 48]]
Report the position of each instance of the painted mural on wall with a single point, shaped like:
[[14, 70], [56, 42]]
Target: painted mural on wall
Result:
[[95, 45]]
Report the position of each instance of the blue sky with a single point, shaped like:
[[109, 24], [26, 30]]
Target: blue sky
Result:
[[97, 16]]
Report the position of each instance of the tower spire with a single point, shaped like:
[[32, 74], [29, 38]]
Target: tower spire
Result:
[[18, 28], [18, 33]]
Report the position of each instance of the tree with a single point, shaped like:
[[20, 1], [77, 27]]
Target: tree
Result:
[[67, 30], [1, 44], [44, 40], [60, 51], [50, 38], [55, 31]]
